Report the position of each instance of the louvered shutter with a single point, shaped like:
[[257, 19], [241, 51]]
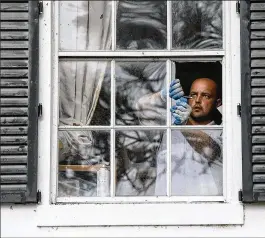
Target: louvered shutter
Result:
[[19, 101], [253, 99]]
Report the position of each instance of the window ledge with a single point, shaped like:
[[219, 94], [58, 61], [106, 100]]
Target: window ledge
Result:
[[140, 214]]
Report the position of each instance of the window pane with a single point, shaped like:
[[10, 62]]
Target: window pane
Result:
[[138, 86], [197, 24], [197, 162], [85, 25], [84, 163], [141, 25], [84, 93], [202, 83], [136, 162]]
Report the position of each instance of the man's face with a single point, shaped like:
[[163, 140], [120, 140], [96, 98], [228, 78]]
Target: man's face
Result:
[[204, 98]]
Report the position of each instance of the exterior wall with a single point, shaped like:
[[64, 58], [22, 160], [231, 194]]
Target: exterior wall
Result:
[[20, 221]]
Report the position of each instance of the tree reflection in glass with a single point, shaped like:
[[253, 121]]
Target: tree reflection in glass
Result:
[[141, 24], [136, 161], [197, 24], [133, 81]]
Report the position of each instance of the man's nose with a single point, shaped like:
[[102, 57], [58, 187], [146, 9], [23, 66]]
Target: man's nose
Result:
[[198, 98]]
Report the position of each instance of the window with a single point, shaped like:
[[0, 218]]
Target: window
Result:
[[116, 139]]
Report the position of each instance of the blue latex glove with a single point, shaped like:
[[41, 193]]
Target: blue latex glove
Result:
[[181, 111], [175, 90]]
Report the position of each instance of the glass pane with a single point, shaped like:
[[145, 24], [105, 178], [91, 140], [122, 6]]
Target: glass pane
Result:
[[84, 163], [197, 162], [141, 25], [84, 93], [138, 99], [202, 83], [85, 25], [197, 24], [137, 159]]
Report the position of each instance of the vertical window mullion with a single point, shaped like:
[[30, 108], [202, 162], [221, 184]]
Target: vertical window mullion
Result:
[[112, 135], [113, 27], [169, 25], [168, 132]]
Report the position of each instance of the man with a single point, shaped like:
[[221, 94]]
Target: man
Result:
[[196, 155], [201, 108]]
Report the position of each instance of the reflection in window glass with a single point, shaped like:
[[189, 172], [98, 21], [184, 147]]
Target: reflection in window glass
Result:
[[85, 25], [136, 162], [136, 83], [141, 24], [84, 93], [197, 24], [84, 163], [197, 162]]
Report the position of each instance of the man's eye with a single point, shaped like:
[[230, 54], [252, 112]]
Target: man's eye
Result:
[[207, 96]]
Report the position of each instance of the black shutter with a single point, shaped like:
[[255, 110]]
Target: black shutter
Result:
[[19, 101], [253, 99]]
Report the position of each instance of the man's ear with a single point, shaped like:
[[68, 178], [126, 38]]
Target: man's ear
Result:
[[218, 102]]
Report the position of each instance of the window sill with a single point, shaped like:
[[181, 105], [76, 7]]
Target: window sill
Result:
[[140, 214]]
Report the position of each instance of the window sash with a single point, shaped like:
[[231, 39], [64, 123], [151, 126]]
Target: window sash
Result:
[[178, 55]]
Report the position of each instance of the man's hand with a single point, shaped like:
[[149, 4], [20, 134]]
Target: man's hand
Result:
[[175, 90], [181, 111]]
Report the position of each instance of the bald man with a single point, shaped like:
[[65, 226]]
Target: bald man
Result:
[[201, 107]]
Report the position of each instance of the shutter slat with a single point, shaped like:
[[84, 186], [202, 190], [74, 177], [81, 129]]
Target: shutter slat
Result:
[[15, 150], [19, 111], [258, 72], [14, 44], [259, 178], [14, 54], [257, 44], [14, 92], [256, 16], [258, 149], [258, 110], [14, 7], [258, 120], [11, 179], [257, 25], [257, 35], [15, 188], [259, 168], [258, 82], [9, 102], [14, 25], [14, 35], [258, 129], [258, 139], [14, 83], [13, 140], [13, 169], [257, 63], [257, 6], [258, 91], [9, 64], [258, 100], [14, 16], [258, 54], [13, 159], [14, 130], [16, 73], [14, 121], [258, 159]]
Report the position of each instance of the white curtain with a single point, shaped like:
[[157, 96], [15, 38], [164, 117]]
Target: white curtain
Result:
[[84, 25]]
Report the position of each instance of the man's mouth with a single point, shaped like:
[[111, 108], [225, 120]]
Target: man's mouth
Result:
[[197, 108]]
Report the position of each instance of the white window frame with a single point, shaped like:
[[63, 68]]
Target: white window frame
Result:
[[144, 210]]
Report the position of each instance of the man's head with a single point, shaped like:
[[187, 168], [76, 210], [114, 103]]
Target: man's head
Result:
[[205, 99]]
